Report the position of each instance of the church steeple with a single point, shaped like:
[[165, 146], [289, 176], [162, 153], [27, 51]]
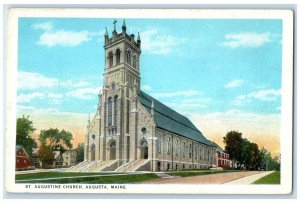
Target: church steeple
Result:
[[124, 27], [115, 31]]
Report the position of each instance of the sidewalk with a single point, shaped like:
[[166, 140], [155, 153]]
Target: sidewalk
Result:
[[249, 179]]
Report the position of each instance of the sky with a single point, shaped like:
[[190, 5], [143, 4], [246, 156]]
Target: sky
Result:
[[222, 74]]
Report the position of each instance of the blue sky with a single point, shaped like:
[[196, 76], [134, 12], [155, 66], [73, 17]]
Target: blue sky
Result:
[[225, 73], [191, 65]]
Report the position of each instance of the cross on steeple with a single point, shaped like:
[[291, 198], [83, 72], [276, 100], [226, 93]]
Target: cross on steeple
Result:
[[115, 21]]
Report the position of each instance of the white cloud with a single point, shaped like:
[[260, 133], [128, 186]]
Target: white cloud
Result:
[[70, 83], [31, 80], [156, 42], [262, 95], [186, 93], [46, 26], [146, 87], [26, 98], [234, 83], [247, 39], [84, 93], [265, 95], [65, 38], [55, 96]]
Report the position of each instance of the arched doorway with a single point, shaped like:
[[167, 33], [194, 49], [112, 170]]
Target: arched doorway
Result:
[[144, 149], [93, 151], [112, 151]]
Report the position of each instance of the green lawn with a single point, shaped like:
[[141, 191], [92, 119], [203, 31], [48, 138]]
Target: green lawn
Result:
[[197, 172], [273, 178], [52, 175], [112, 178]]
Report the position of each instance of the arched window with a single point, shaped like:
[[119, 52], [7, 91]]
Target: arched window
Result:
[[118, 53], [112, 151], [169, 146], [208, 158], [177, 148], [196, 152], [183, 150], [134, 61], [115, 111], [200, 153], [128, 57], [190, 151], [144, 149], [109, 111], [110, 59]]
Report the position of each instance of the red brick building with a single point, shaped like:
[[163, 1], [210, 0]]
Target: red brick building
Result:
[[22, 158], [222, 158]]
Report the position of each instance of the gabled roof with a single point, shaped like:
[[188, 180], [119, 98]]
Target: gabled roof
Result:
[[18, 147], [218, 148], [168, 119]]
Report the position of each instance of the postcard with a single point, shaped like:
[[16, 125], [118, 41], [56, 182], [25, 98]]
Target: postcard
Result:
[[149, 101]]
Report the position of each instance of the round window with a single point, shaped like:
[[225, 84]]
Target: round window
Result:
[[93, 136], [144, 130]]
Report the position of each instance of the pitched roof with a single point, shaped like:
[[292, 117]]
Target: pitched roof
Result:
[[168, 119], [218, 148]]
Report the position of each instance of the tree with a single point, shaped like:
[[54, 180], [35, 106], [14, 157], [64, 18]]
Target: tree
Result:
[[46, 156], [56, 140], [80, 152], [233, 141], [24, 128], [255, 162], [245, 158], [267, 162]]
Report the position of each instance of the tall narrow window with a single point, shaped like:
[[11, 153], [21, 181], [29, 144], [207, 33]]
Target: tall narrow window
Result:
[[158, 146], [190, 151], [109, 111], [183, 150], [110, 59], [169, 146], [118, 56], [128, 57], [200, 157], [116, 111], [134, 61], [177, 148]]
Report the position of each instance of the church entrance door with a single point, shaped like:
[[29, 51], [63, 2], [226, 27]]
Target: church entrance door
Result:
[[93, 151], [112, 152], [144, 150]]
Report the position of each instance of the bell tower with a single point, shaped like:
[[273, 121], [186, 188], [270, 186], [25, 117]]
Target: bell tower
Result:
[[121, 85]]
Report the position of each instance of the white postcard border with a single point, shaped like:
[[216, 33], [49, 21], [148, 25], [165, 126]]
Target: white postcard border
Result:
[[287, 95]]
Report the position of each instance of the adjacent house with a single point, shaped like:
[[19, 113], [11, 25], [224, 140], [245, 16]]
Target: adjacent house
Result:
[[69, 158], [34, 158], [22, 158], [58, 160], [222, 158]]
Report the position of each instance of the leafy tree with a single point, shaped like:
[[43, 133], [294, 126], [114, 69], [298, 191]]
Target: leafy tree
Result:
[[24, 128], [233, 141], [267, 162], [245, 158], [46, 156], [56, 140], [80, 152], [255, 162]]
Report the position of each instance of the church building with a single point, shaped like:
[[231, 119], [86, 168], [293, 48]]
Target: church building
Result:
[[133, 131]]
